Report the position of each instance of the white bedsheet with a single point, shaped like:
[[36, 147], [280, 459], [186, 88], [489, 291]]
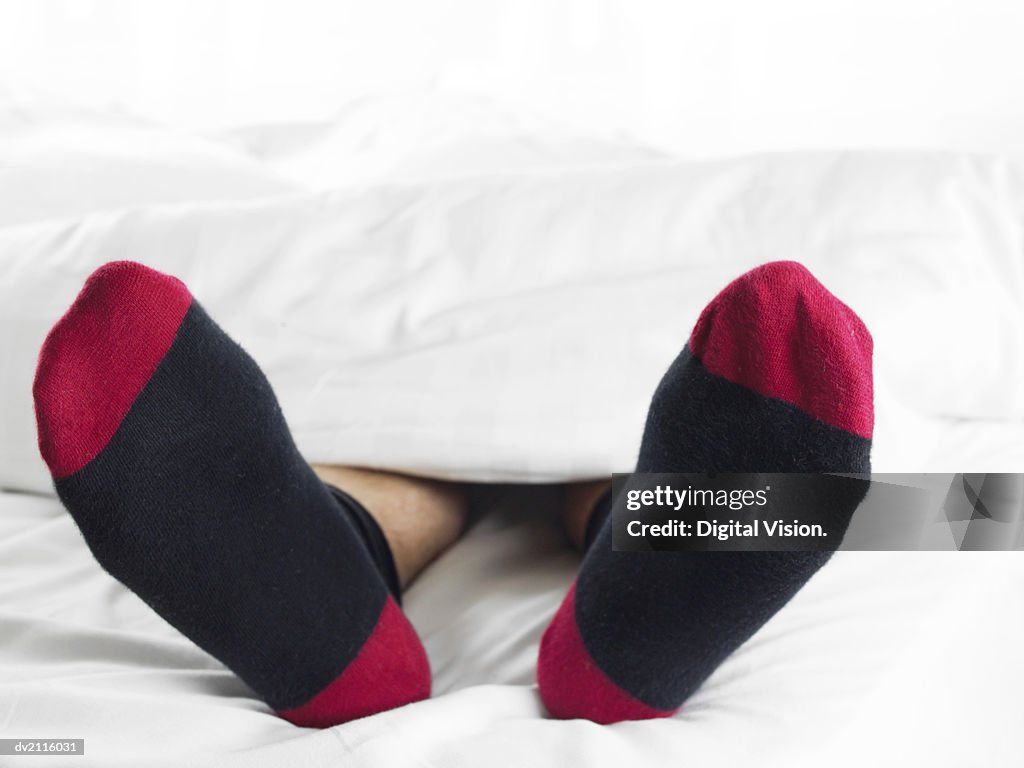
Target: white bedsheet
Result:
[[884, 658]]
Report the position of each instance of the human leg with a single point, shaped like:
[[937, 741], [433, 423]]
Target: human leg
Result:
[[169, 449], [420, 518], [776, 377]]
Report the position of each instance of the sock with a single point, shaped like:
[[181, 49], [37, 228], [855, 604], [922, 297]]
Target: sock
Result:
[[776, 377], [170, 451]]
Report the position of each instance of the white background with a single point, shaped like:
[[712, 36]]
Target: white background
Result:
[[693, 76]]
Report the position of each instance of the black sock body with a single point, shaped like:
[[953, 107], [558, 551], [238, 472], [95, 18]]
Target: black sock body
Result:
[[191, 492], [640, 632]]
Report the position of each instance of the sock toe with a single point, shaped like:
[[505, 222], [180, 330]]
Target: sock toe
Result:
[[779, 332], [99, 357]]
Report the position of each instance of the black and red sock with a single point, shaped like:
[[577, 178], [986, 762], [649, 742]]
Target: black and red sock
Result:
[[776, 377], [169, 449]]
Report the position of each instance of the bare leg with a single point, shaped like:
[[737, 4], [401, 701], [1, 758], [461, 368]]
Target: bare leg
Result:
[[420, 518], [577, 505]]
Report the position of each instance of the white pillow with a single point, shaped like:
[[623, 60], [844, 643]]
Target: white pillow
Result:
[[60, 164], [513, 328]]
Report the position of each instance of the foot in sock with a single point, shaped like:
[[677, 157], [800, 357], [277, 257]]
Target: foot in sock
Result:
[[169, 449], [776, 377]]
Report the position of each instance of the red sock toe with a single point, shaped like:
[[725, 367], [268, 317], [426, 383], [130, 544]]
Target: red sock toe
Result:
[[779, 332], [100, 356]]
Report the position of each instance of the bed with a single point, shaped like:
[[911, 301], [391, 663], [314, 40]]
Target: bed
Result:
[[506, 326]]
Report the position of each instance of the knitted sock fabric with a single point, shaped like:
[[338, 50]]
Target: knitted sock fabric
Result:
[[776, 377], [170, 451]]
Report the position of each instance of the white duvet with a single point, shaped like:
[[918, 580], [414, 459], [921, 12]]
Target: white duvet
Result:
[[511, 327]]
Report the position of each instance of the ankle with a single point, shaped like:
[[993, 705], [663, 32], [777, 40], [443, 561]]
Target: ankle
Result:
[[420, 518]]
